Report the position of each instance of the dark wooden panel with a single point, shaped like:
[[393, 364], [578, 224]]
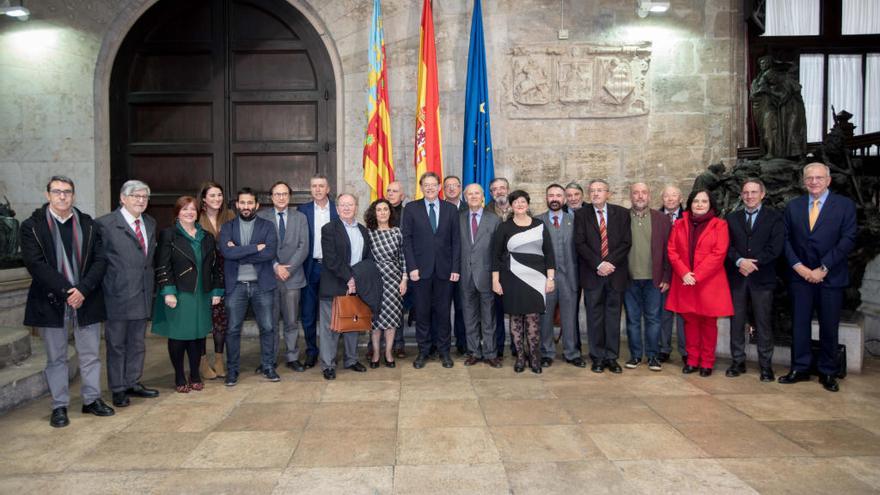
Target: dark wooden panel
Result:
[[163, 213], [276, 122], [171, 72], [261, 171], [172, 172], [250, 22], [273, 71], [175, 123], [189, 21]]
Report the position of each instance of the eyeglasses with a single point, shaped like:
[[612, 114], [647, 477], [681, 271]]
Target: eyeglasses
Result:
[[61, 192], [139, 197]]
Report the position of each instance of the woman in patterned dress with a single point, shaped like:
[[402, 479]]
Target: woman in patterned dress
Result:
[[387, 246], [522, 273], [213, 214]]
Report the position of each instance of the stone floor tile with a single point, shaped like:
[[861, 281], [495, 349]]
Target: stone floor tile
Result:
[[45, 453], [523, 444], [512, 388], [359, 391], [451, 479], [829, 438], [217, 481], [501, 412], [796, 475], [24, 484], [433, 370], [433, 389], [345, 448], [744, 384], [182, 417], [663, 384], [604, 410], [682, 476], [244, 449], [214, 392], [450, 445], [740, 438], [635, 441], [594, 476], [440, 413], [268, 417], [134, 450], [776, 407], [590, 387], [865, 469], [287, 391], [359, 415], [693, 409], [376, 480], [98, 483]]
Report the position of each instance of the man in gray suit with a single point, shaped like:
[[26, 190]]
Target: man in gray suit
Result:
[[293, 247], [129, 245], [477, 229], [561, 227]]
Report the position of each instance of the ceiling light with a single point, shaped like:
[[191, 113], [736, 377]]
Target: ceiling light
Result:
[[647, 7], [19, 11]]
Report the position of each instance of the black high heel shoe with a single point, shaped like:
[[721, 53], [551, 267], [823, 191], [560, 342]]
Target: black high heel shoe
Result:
[[390, 364], [519, 366], [374, 365]]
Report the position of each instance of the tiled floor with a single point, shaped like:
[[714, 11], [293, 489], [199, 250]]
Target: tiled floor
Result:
[[464, 430]]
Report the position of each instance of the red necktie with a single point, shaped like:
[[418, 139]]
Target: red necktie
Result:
[[603, 233], [556, 222], [473, 227], [140, 235]]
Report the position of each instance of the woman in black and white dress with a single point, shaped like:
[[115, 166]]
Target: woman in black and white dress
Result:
[[522, 273], [387, 246]]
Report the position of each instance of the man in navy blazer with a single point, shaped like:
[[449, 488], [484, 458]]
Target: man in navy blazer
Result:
[[432, 247], [820, 232], [248, 244], [757, 237], [319, 212]]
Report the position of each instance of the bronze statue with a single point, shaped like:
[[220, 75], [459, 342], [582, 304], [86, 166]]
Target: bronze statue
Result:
[[778, 109], [9, 236]]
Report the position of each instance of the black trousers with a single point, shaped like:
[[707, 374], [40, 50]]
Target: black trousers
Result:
[[433, 298], [762, 307], [603, 305]]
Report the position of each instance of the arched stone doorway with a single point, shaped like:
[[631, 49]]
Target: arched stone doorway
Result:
[[241, 92]]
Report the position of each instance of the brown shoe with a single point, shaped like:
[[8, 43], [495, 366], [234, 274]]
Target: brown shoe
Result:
[[495, 362], [205, 369], [471, 360], [219, 365]]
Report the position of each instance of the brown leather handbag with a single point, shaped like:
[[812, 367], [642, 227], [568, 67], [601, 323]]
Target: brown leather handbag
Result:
[[350, 314]]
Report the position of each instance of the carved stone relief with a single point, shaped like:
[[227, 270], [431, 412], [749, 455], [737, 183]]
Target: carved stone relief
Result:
[[578, 81]]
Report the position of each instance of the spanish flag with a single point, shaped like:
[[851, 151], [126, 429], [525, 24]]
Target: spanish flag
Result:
[[428, 150], [378, 155]]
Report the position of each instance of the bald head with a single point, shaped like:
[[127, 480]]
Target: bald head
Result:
[[394, 193]]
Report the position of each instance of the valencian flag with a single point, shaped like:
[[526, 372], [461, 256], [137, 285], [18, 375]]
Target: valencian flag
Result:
[[428, 153], [477, 163], [378, 155]]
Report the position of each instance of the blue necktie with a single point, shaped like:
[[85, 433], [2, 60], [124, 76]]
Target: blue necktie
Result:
[[432, 217], [281, 227]]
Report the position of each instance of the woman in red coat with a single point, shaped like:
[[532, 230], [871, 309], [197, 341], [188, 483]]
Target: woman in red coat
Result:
[[699, 290]]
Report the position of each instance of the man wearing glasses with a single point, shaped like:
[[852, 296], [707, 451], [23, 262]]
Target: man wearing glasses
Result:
[[129, 245]]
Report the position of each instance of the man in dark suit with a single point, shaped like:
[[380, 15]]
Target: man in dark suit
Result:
[[395, 195], [318, 213], [671, 198], [757, 237], [820, 232], [249, 245], [452, 194], [499, 188], [561, 228], [431, 245], [293, 248], [129, 244], [603, 238], [344, 243], [477, 226]]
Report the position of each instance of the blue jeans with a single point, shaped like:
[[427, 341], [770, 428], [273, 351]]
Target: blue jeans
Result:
[[236, 307], [642, 299]]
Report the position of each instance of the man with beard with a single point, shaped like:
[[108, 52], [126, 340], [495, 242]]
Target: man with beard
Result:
[[499, 188], [671, 198], [574, 197], [249, 244], [649, 273], [561, 228]]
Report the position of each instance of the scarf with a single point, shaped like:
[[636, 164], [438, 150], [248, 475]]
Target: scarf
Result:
[[63, 263], [696, 226]]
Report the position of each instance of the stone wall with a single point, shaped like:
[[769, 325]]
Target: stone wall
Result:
[[54, 68]]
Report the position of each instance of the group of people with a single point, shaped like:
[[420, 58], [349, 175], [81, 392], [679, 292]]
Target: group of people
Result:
[[677, 266]]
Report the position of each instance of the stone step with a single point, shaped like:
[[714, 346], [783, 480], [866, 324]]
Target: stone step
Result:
[[24, 381], [15, 346]]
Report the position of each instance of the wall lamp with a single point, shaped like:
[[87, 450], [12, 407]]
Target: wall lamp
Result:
[[19, 11], [648, 7]]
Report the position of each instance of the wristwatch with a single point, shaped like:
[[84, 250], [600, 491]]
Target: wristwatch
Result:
[[824, 268]]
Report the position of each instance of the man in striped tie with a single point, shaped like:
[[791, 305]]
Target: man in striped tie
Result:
[[602, 238]]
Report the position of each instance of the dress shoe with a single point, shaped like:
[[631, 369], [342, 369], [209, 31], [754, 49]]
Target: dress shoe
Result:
[[767, 375], [419, 363], [597, 368], [578, 361], [688, 369], [495, 362], [329, 374], [374, 365], [519, 366], [98, 408], [58, 419], [704, 372], [735, 370], [401, 354], [471, 360], [447, 361], [139, 390], [296, 366], [311, 361], [829, 383], [120, 399], [663, 357], [613, 367], [357, 367], [546, 362], [231, 378], [794, 377], [271, 375]]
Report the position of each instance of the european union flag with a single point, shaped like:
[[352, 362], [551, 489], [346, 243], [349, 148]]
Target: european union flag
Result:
[[477, 163]]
